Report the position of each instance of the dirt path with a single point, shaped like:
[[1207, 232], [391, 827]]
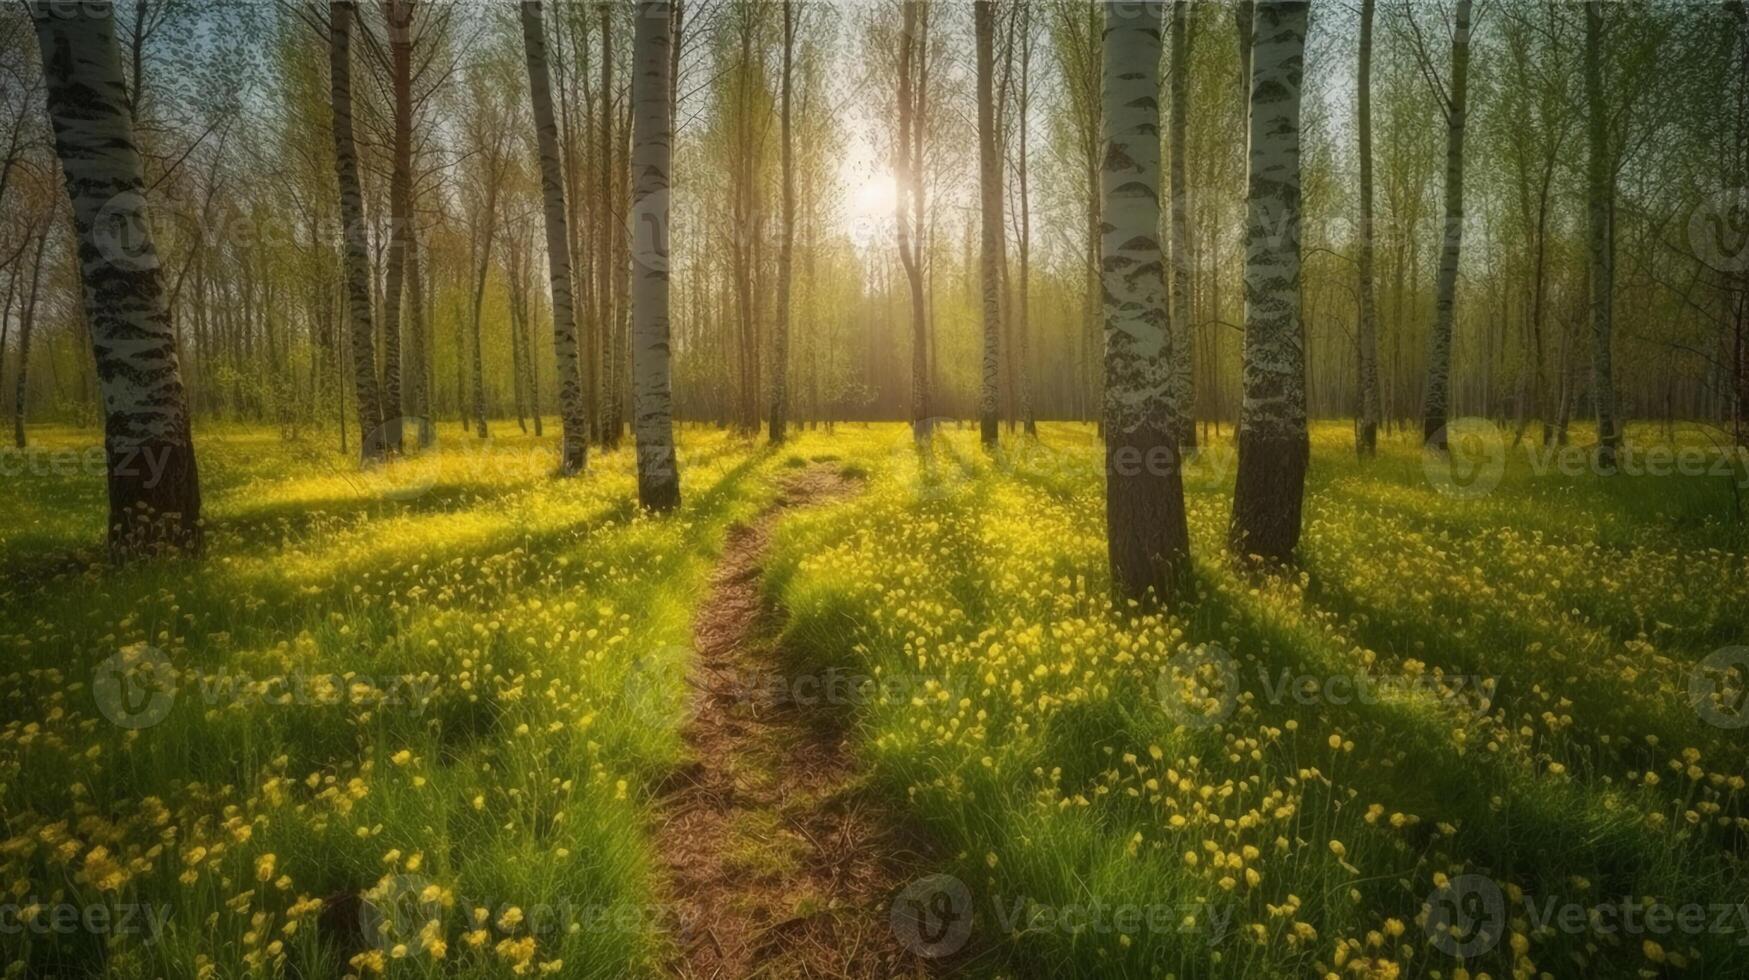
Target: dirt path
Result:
[[779, 864]]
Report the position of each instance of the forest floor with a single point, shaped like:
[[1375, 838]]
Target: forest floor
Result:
[[864, 709], [780, 862]]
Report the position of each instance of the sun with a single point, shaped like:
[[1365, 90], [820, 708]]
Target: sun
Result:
[[874, 197]]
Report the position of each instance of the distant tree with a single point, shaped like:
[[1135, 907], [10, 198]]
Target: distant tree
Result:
[[1366, 332], [574, 447], [1146, 530], [1600, 239], [990, 210], [154, 483], [1273, 446], [1454, 101], [786, 247], [908, 201], [28, 300], [1023, 325]]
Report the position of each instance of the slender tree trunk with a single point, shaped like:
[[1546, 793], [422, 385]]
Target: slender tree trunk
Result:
[[1023, 325], [1600, 239], [485, 265], [1183, 374], [604, 318], [780, 331], [574, 445], [356, 250], [26, 323], [418, 346], [6, 317], [154, 484], [399, 16], [909, 208], [1273, 447], [990, 207], [1436, 407], [1146, 531], [652, 161], [1366, 334], [516, 287]]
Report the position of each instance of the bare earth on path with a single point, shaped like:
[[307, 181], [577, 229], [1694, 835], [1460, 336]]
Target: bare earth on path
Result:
[[779, 864]]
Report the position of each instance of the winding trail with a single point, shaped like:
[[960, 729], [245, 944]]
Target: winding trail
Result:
[[779, 862]]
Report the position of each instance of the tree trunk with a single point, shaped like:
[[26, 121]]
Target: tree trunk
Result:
[[1023, 372], [990, 208], [1183, 375], [399, 16], [652, 160], [1273, 447], [1436, 407], [26, 325], [780, 330], [574, 445], [1146, 531], [909, 178], [154, 484], [1366, 333], [372, 445], [418, 388], [604, 319], [517, 289], [1600, 239]]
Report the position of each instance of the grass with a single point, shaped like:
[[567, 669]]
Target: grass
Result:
[[412, 721], [1451, 701]]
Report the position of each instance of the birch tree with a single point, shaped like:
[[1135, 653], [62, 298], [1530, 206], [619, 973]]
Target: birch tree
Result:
[[652, 169], [1273, 446], [153, 480], [908, 201], [398, 15], [574, 446], [355, 247], [1600, 240], [1183, 346], [786, 246], [990, 209], [1023, 324], [1454, 100], [1146, 531], [1366, 330]]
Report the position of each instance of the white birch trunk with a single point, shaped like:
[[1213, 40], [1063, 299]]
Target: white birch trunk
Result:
[[1437, 408], [356, 251], [574, 445], [1147, 536], [154, 485], [652, 158], [990, 208], [1273, 447]]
